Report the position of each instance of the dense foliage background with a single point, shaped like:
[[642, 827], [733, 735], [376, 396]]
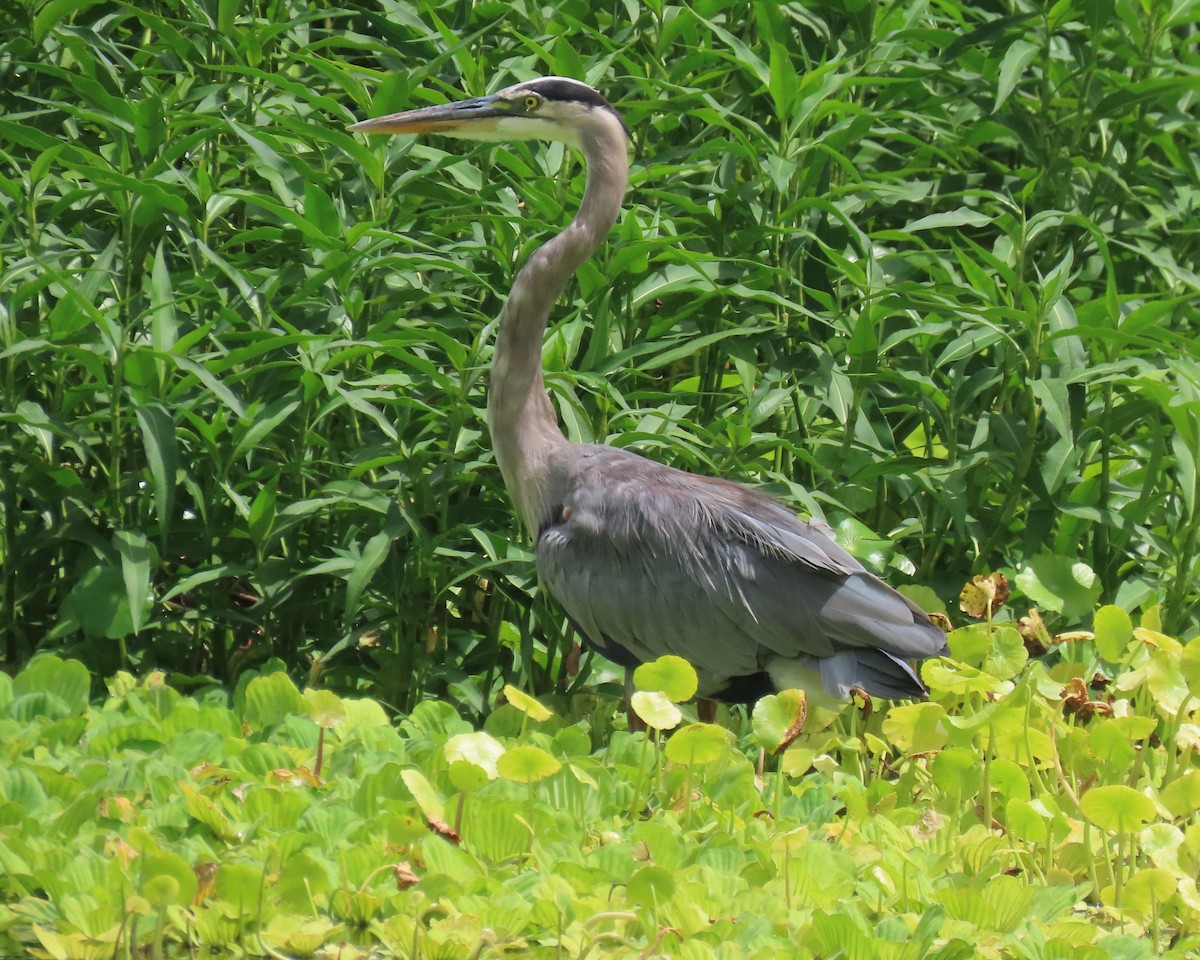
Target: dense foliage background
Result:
[[927, 270]]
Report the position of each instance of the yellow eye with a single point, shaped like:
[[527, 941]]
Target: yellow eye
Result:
[[532, 103]]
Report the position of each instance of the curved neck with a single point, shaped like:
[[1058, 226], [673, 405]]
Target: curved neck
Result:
[[520, 416]]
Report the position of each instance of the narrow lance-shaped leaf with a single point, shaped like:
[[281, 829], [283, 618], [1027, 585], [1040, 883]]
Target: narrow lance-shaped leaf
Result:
[[365, 565], [135, 556], [162, 457]]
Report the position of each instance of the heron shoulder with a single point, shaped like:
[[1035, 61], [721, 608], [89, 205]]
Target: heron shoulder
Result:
[[620, 497]]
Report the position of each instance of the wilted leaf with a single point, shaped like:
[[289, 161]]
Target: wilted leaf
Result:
[[779, 718], [983, 596]]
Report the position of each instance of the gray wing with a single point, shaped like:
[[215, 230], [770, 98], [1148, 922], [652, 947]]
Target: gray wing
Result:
[[648, 560]]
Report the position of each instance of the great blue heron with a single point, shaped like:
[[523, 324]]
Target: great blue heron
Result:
[[645, 559]]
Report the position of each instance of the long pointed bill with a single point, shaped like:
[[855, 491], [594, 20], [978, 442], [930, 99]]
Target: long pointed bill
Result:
[[466, 118]]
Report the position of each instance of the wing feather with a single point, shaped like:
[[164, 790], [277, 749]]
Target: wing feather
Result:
[[658, 561]]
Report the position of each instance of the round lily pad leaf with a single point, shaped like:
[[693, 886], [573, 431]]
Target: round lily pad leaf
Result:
[[956, 770], [481, 749], [1025, 823], [466, 776], [917, 727], [670, 675], [527, 764], [779, 718], [325, 708], [1062, 584], [1189, 666], [697, 743], [1182, 796], [1117, 808], [167, 878], [1147, 888], [526, 704], [240, 885], [651, 887], [1006, 653], [656, 709]]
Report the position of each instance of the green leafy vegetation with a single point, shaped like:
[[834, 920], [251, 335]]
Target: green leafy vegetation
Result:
[[1021, 812], [925, 271], [928, 272]]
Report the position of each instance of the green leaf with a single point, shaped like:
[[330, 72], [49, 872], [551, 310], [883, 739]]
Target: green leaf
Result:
[[68, 680], [1182, 796], [1024, 823], [917, 727], [1067, 586], [480, 749], [1113, 630], [670, 675], [651, 887], [778, 718], [697, 744], [365, 566], [526, 704], [1017, 58], [1147, 889], [527, 764], [241, 885], [427, 798], [325, 708], [163, 326], [166, 878], [135, 556], [655, 709], [162, 457], [962, 217], [270, 699], [1189, 665], [1116, 808], [99, 603]]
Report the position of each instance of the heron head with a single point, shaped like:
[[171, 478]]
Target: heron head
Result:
[[549, 108]]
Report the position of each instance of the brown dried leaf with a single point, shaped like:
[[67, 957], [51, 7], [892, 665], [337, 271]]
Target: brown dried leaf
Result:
[[405, 877], [206, 881], [441, 827], [942, 621], [861, 699], [984, 595], [1076, 701], [1034, 633]]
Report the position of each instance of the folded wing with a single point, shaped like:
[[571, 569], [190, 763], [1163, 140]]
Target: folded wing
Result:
[[648, 560]]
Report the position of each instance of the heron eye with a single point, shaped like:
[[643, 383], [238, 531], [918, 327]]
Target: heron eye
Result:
[[532, 103]]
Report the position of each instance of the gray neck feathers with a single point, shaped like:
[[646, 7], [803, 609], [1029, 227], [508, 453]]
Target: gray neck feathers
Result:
[[520, 416]]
